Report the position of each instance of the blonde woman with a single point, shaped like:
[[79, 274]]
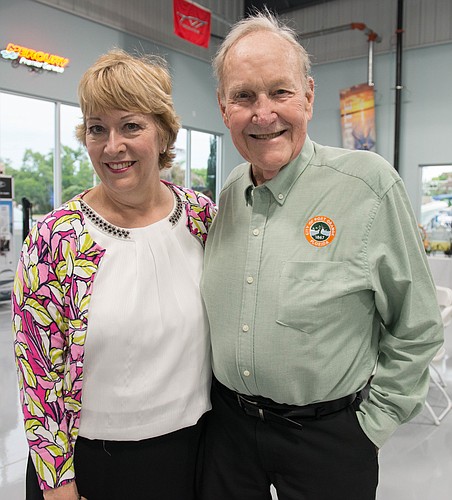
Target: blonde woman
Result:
[[111, 336]]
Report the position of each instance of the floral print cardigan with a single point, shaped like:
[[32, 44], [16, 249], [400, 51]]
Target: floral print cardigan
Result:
[[50, 304]]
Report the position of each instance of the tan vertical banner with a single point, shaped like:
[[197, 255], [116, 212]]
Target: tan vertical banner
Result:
[[358, 117]]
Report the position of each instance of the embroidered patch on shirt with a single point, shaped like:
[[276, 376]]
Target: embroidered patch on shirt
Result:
[[320, 231]]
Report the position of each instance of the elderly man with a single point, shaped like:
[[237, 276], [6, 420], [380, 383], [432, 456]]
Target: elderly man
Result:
[[322, 309]]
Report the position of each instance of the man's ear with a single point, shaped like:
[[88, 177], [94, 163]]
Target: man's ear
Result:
[[223, 110], [310, 94]]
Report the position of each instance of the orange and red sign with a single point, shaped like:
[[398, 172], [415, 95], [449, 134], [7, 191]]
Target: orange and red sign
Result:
[[192, 22], [36, 59]]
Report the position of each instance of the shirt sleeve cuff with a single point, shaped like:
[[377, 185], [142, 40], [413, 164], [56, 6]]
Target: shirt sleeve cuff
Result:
[[377, 425]]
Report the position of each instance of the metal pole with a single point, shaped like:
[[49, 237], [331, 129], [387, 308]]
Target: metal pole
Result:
[[188, 160], [370, 64], [26, 216], [399, 86], [57, 170], [344, 27], [329, 31]]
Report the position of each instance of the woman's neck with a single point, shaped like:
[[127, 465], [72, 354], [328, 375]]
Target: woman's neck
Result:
[[130, 211]]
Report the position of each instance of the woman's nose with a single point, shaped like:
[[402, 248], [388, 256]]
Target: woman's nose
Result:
[[115, 143]]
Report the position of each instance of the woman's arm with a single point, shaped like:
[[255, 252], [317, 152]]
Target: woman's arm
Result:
[[40, 327]]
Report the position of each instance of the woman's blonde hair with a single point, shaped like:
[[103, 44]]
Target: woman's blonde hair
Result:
[[142, 84]]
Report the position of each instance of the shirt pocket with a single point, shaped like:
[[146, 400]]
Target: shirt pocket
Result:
[[311, 294]]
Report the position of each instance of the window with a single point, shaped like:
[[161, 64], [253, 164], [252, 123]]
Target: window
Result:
[[436, 208], [196, 162], [33, 131], [177, 173], [28, 133], [27, 149], [77, 173]]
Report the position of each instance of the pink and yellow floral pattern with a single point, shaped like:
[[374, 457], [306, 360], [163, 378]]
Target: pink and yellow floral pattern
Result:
[[50, 304]]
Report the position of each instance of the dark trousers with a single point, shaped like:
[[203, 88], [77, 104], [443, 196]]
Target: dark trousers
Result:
[[161, 468], [329, 458]]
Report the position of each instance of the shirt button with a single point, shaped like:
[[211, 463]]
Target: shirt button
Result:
[[280, 196], [250, 279], [245, 328], [255, 232], [246, 373]]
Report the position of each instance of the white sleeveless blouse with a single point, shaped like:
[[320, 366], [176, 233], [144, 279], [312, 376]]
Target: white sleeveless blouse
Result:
[[147, 352]]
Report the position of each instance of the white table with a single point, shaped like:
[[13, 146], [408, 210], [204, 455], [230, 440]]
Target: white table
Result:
[[441, 267]]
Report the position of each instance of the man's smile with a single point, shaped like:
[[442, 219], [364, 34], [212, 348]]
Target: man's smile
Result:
[[264, 137]]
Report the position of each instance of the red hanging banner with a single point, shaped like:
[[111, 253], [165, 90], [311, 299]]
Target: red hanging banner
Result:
[[192, 22]]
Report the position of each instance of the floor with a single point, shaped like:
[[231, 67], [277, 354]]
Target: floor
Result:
[[415, 464]]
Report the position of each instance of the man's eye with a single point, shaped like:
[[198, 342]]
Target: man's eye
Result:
[[241, 96], [281, 92]]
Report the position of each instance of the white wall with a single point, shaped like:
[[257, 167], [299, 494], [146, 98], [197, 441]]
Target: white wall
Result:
[[426, 123], [44, 28]]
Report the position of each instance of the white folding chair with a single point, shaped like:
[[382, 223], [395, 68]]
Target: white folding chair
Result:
[[445, 302], [444, 296]]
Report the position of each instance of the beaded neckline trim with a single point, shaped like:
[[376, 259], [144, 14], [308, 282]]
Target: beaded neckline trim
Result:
[[102, 224], [121, 232], [176, 214]]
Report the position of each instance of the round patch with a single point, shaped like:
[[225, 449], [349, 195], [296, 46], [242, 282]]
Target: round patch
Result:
[[320, 231]]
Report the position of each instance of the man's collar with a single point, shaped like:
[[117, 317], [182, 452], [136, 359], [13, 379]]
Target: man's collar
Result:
[[283, 181]]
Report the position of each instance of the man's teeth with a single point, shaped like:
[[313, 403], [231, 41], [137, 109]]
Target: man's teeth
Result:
[[267, 136], [119, 166]]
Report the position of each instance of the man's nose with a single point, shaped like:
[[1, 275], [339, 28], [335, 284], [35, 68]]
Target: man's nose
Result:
[[264, 113]]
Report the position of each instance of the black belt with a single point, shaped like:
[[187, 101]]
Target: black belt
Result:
[[267, 410]]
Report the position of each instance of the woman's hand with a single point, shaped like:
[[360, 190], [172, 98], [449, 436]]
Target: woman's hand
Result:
[[67, 492]]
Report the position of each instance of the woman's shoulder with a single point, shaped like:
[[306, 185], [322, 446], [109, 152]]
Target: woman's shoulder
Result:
[[71, 209], [200, 209], [191, 196], [67, 218], [62, 230]]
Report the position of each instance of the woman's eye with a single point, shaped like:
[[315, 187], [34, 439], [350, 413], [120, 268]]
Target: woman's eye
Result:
[[95, 129], [132, 127]]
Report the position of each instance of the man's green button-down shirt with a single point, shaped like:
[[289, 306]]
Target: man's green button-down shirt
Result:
[[316, 281]]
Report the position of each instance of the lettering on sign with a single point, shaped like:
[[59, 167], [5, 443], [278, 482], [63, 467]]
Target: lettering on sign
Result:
[[36, 60]]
